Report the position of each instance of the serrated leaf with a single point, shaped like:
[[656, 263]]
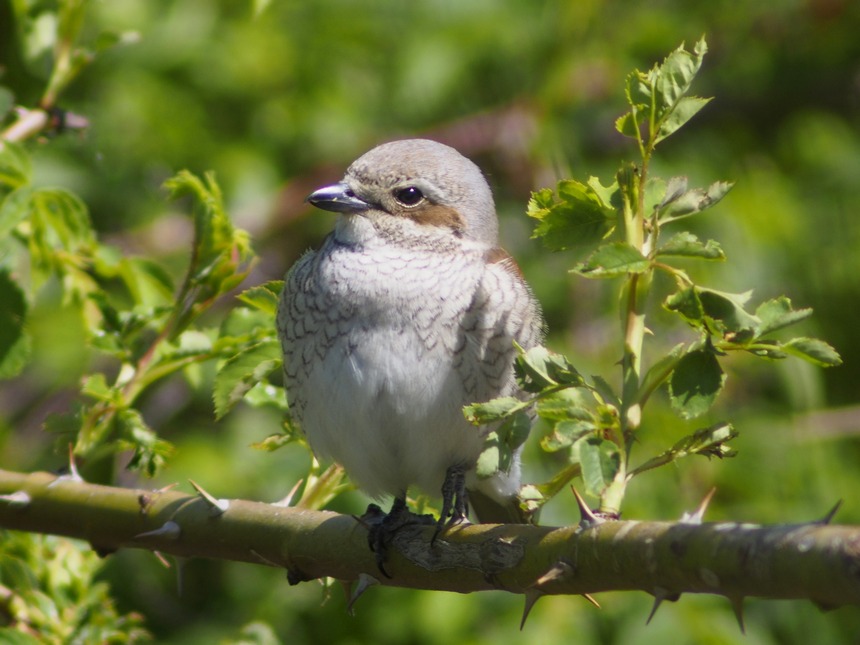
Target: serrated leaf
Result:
[[490, 411], [776, 314], [148, 282], [694, 201], [812, 350], [676, 187], [630, 123], [675, 75], [577, 219], [728, 310], [613, 260], [564, 404], [263, 297], [686, 109], [565, 434], [687, 245], [710, 442], [539, 368], [242, 372], [600, 461], [695, 383]]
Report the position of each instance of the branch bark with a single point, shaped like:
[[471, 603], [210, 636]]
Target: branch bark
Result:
[[814, 561]]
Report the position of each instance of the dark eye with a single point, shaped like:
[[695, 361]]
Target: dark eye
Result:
[[408, 196]]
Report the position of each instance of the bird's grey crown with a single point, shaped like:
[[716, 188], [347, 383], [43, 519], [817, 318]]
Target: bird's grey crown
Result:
[[446, 178]]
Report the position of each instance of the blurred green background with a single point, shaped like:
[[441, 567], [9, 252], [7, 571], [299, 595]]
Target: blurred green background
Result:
[[277, 98]]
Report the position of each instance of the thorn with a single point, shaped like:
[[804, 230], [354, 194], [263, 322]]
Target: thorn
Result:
[[18, 499], [74, 475], [532, 596], [169, 530], [559, 571], [365, 582], [216, 506], [661, 594], [160, 557], [696, 516], [738, 608], [587, 517], [824, 521], [591, 599], [289, 498]]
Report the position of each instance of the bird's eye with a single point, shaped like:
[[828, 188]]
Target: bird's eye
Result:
[[408, 196]]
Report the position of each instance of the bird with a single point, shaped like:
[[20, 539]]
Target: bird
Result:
[[408, 311]]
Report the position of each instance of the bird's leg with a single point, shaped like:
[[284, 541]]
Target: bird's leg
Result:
[[382, 527], [454, 498]]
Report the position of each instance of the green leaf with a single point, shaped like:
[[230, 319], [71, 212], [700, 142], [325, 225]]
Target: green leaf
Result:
[[490, 411], [776, 314], [600, 461], [565, 433], [687, 245], [630, 123], [265, 394], [659, 372], [695, 383], [676, 74], [490, 461], [605, 391], [242, 372], [515, 429], [716, 311], [686, 109], [694, 201], [613, 260], [564, 404], [728, 310], [264, 297], [686, 303], [539, 368], [15, 345], [579, 219], [710, 442], [148, 282], [150, 453], [812, 350], [15, 167]]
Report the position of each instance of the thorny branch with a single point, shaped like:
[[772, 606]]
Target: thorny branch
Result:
[[814, 560]]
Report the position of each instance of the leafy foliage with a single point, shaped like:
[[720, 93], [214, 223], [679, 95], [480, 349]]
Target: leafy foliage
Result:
[[619, 228]]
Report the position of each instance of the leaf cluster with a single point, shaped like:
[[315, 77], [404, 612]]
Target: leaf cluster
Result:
[[622, 230]]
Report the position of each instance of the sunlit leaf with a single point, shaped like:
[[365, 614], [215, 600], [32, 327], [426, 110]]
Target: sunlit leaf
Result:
[[242, 372], [612, 261], [812, 350], [687, 245], [600, 461], [778, 313]]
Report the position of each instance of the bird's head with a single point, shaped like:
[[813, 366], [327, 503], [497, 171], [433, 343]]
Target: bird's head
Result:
[[420, 180]]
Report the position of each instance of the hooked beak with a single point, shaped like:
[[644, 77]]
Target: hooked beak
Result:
[[338, 198]]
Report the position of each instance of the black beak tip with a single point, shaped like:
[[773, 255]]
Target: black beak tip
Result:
[[338, 198]]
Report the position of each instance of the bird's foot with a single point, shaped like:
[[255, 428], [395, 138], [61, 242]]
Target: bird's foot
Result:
[[454, 500], [382, 528]]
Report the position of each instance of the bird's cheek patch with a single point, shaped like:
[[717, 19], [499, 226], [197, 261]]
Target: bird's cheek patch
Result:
[[437, 215]]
